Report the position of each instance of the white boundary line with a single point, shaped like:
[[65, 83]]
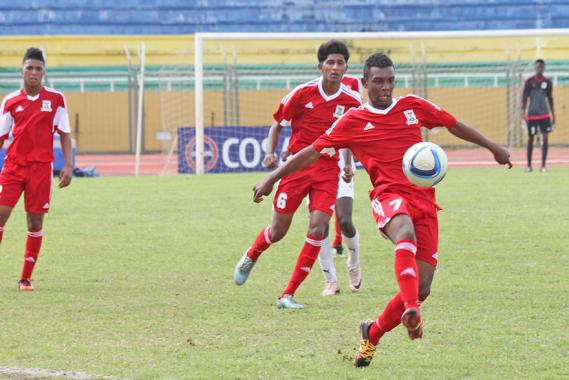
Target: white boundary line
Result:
[[485, 163], [386, 35], [40, 373]]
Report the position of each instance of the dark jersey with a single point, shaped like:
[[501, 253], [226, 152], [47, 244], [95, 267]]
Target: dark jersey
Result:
[[539, 91]]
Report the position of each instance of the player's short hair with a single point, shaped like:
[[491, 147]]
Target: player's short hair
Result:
[[539, 60], [380, 60], [333, 47], [33, 53]]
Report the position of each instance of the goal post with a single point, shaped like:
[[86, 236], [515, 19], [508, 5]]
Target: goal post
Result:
[[239, 79]]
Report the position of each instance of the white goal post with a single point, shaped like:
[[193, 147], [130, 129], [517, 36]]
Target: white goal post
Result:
[[510, 48]]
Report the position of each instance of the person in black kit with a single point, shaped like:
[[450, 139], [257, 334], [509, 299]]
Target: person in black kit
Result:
[[539, 90]]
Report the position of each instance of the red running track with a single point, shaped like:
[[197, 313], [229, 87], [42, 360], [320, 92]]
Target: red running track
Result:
[[154, 164]]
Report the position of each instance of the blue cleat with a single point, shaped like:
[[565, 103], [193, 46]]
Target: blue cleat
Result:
[[287, 302], [242, 269]]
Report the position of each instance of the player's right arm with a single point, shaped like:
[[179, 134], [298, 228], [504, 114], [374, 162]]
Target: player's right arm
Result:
[[6, 121], [288, 108], [347, 171], [525, 96]]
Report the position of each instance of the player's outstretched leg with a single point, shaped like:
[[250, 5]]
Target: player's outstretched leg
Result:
[[326, 259], [367, 348]]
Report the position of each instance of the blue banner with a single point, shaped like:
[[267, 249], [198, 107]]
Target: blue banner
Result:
[[227, 149]]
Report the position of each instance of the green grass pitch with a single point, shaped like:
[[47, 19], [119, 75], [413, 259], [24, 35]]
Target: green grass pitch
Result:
[[135, 281]]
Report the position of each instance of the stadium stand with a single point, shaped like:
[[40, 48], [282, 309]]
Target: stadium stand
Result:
[[51, 17]]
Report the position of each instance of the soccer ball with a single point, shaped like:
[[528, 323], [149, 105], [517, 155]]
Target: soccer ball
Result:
[[425, 164]]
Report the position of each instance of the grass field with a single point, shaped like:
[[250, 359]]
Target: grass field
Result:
[[135, 281]]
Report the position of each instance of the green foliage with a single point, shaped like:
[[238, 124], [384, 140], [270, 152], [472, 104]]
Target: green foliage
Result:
[[135, 280]]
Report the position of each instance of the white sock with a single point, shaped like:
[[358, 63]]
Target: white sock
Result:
[[326, 259], [353, 245]]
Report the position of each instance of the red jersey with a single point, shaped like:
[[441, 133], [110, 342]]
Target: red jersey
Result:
[[310, 112], [380, 138], [353, 83], [33, 120]]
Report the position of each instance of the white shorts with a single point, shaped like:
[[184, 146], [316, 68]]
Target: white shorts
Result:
[[345, 189]]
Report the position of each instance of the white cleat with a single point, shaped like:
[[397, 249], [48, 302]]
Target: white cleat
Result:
[[355, 279], [330, 289]]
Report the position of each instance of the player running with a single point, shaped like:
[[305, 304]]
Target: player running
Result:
[[32, 114], [309, 110], [379, 133]]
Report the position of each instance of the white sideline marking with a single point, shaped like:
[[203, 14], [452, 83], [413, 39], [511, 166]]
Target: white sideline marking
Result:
[[515, 162], [49, 373]]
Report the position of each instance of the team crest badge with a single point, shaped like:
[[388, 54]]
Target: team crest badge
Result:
[[543, 85], [46, 106], [339, 111], [411, 118]]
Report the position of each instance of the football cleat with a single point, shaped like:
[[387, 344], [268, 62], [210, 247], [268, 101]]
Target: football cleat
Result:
[[355, 279], [543, 169], [529, 169], [367, 348], [25, 285], [287, 302], [413, 322], [330, 289], [243, 269], [339, 249]]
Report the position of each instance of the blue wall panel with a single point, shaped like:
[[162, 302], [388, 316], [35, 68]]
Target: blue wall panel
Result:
[[185, 17]]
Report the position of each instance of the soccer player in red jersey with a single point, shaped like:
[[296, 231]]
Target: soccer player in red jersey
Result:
[[379, 133], [32, 115], [309, 110]]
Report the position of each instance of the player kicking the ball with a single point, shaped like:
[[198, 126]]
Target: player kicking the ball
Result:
[[379, 133], [309, 110], [32, 114]]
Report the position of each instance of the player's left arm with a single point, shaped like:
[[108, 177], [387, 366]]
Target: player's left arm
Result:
[[63, 127], [66, 173], [348, 173], [550, 101], [464, 132]]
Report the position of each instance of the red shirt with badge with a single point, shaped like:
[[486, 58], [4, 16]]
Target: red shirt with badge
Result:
[[32, 121], [380, 138], [309, 111]]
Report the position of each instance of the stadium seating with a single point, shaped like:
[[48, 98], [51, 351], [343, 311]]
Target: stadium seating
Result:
[[185, 17]]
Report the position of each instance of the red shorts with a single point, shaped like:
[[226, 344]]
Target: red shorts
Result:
[[424, 217], [319, 181], [34, 179]]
